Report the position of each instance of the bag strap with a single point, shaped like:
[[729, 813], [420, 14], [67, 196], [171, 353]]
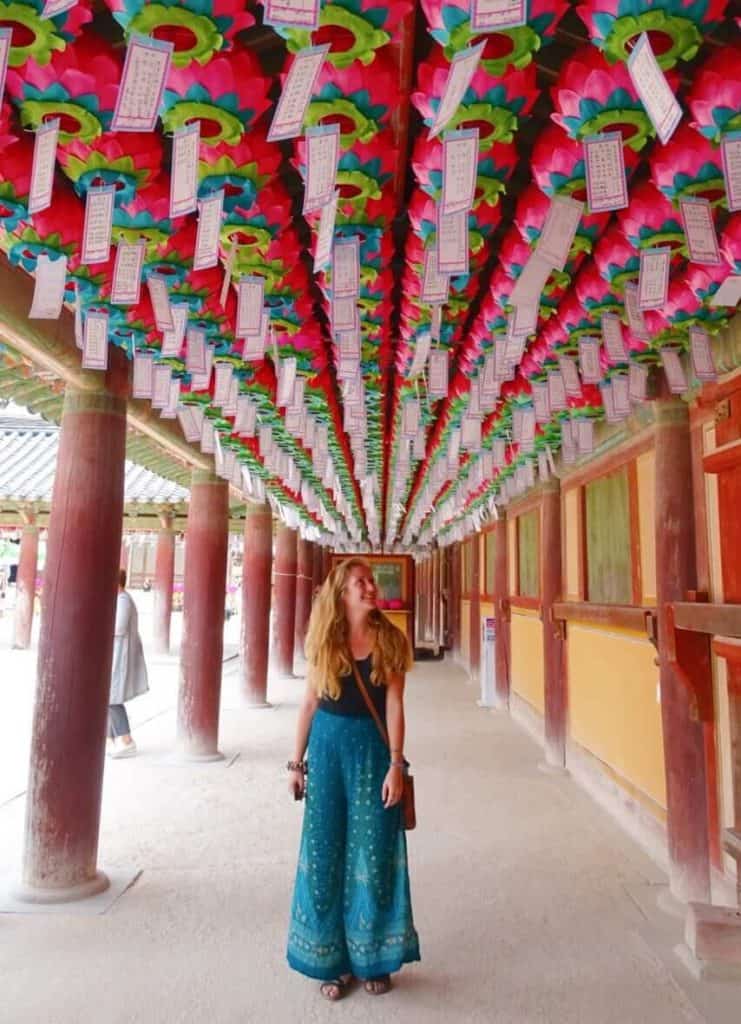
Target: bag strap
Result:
[[370, 705]]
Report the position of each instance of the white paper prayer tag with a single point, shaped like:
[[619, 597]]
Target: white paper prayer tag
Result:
[[184, 173], [421, 352], [210, 210], [541, 402], [169, 410], [452, 242], [288, 119], [589, 361], [556, 391], [54, 7], [127, 273], [228, 270], [654, 91], [222, 383], [142, 84], [729, 292], [653, 278], [286, 382], [699, 230], [435, 285], [42, 172], [346, 268], [172, 341], [703, 364], [523, 321], [143, 375], [96, 237], [254, 344], [621, 395], [160, 300], [436, 322], [79, 329], [195, 351], [190, 428], [437, 379], [530, 284], [292, 13], [48, 292], [462, 69], [460, 163], [570, 376], [162, 376], [637, 382], [250, 298], [557, 236], [5, 34], [730, 148], [323, 251], [95, 343], [612, 337], [633, 313], [607, 186], [202, 381], [675, 375], [322, 155], [495, 15], [208, 437]]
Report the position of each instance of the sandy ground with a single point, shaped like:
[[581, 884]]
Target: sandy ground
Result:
[[531, 904]]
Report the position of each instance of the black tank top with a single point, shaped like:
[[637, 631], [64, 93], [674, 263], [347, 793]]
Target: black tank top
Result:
[[350, 701]]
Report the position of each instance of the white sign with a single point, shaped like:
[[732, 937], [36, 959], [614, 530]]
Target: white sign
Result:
[[210, 210], [434, 284], [633, 312], [325, 236], [699, 229], [298, 87], [95, 344], [42, 172], [612, 337], [186, 143], [172, 341], [292, 13], [462, 69], [703, 363], [559, 230], [452, 242], [142, 85], [143, 374], [589, 360], [729, 292], [653, 89], [675, 375], [322, 156], [346, 268], [730, 147], [495, 15], [653, 278], [460, 163], [250, 301], [96, 236], [5, 34], [48, 292], [160, 300], [127, 273], [607, 186]]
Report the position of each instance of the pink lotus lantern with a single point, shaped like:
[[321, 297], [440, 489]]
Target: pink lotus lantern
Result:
[[128, 160], [730, 243], [616, 259], [715, 96], [36, 37], [650, 221], [688, 165]]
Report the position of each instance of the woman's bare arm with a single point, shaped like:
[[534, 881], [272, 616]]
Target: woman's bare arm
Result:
[[308, 706], [392, 785]]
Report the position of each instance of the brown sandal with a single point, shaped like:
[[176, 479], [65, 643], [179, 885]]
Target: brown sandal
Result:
[[337, 988], [378, 986]]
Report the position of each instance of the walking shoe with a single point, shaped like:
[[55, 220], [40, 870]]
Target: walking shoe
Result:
[[125, 750]]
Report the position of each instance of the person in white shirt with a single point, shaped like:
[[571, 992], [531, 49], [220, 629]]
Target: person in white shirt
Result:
[[128, 674]]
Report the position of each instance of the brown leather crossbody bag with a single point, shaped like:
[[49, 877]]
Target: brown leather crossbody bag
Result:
[[408, 811]]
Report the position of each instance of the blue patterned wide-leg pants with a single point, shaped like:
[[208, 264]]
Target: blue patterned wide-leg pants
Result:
[[351, 910]]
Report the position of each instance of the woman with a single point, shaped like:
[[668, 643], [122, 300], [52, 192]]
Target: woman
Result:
[[351, 914], [128, 674]]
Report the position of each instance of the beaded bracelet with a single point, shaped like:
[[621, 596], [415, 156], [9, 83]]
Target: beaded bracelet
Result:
[[298, 766]]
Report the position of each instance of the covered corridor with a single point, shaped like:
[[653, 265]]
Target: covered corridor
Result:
[[532, 904]]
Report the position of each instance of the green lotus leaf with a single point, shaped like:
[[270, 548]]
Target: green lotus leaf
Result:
[[207, 38]]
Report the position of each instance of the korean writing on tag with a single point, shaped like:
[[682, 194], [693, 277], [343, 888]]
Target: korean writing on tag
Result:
[[729, 293], [436, 322], [699, 229], [421, 352], [437, 374], [322, 155], [346, 268], [653, 89], [434, 284], [589, 360], [127, 273], [210, 211], [186, 144], [188, 424], [633, 313], [227, 278], [460, 156], [96, 236], [143, 375], [292, 13], [675, 375], [494, 15], [95, 344], [570, 375], [222, 383], [5, 34], [653, 278], [142, 84], [637, 382], [170, 408], [295, 97], [250, 301], [345, 314], [160, 300], [585, 436], [556, 391], [161, 378], [79, 330], [540, 402], [452, 242], [286, 382], [202, 381], [559, 230], [172, 340], [621, 395], [531, 282], [323, 251], [730, 148], [48, 292], [607, 186], [612, 337], [461, 72], [54, 7], [42, 171], [701, 352], [523, 321], [195, 351]]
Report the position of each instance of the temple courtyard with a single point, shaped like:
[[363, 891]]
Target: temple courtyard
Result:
[[531, 902]]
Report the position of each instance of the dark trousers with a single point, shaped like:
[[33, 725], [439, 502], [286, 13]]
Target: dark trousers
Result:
[[118, 721]]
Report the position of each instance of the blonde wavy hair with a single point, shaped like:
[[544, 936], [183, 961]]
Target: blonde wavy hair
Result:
[[328, 641]]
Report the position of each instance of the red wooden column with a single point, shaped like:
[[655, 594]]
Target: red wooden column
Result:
[[475, 610], [25, 582], [204, 595], [326, 563], [164, 578], [304, 574], [257, 568], [502, 615], [284, 619], [317, 568], [550, 592], [76, 644], [455, 599], [684, 753]]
